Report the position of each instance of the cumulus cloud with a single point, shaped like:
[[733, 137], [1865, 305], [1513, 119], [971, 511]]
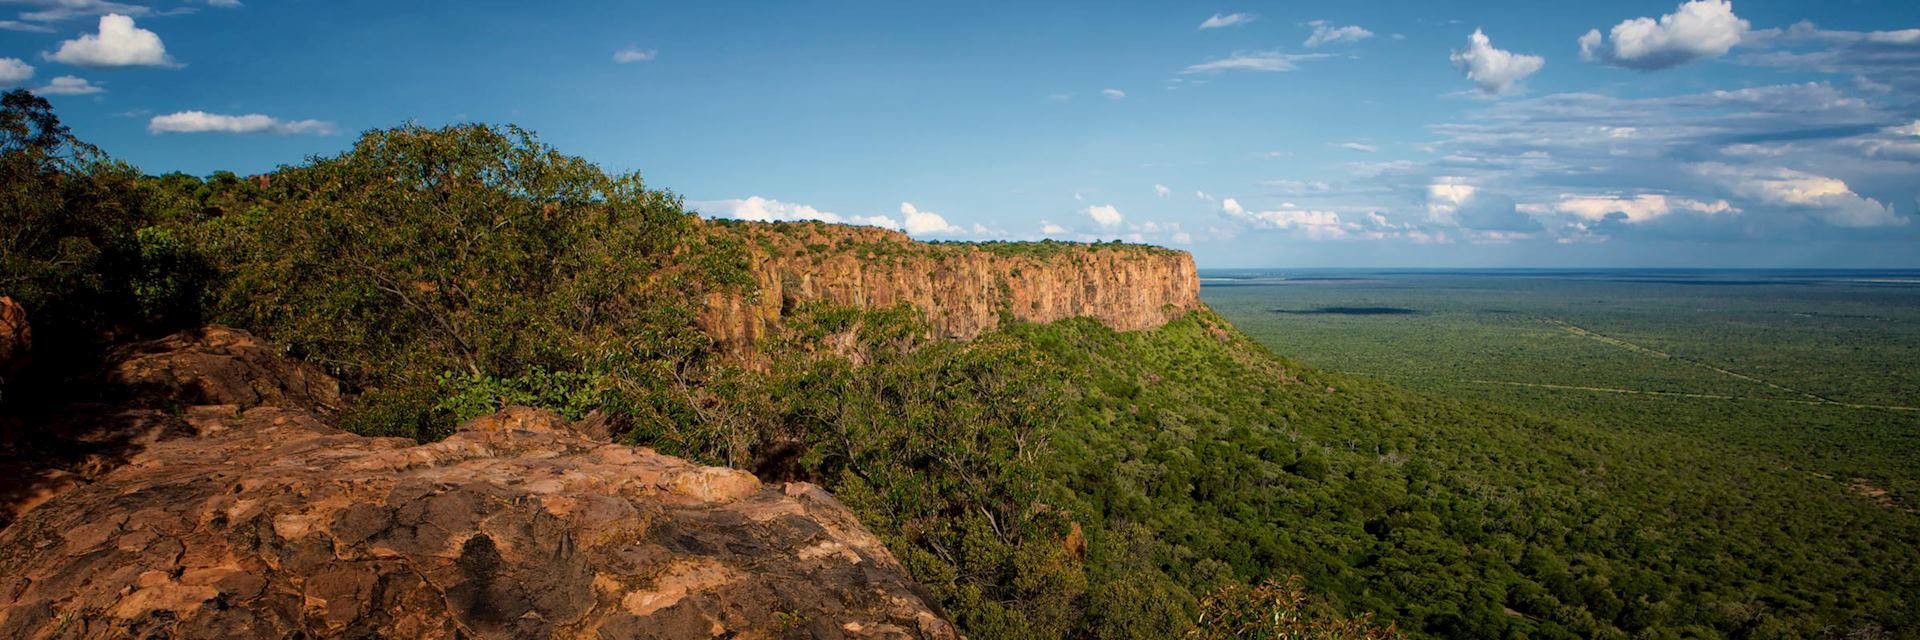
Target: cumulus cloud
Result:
[[758, 209], [1795, 138], [1324, 33], [203, 122], [922, 222], [1636, 209], [1161, 190], [1270, 61], [1317, 224], [1051, 229], [635, 54], [69, 86], [1450, 201], [1114, 94], [1106, 215], [14, 71], [1494, 71], [1228, 20], [1828, 199], [1696, 30], [118, 44]]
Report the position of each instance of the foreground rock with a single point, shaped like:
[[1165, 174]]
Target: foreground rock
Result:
[[269, 522]]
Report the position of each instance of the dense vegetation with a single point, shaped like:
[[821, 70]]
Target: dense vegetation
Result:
[[1043, 481]]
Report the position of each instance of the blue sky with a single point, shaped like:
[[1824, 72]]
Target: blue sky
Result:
[[1381, 133]]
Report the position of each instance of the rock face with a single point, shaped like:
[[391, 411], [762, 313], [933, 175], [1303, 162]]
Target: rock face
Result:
[[961, 288], [16, 338], [218, 365], [267, 522]]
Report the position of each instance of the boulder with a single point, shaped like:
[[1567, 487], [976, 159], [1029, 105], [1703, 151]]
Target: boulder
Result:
[[218, 365]]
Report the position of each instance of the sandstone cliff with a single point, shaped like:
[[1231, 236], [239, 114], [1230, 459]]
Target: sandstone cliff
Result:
[[256, 518], [962, 288]]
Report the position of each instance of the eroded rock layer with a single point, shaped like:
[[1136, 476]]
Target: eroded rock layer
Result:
[[961, 288]]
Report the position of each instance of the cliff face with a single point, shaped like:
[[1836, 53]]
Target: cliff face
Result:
[[961, 288]]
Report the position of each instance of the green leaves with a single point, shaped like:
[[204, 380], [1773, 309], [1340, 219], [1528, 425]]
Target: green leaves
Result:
[[475, 250]]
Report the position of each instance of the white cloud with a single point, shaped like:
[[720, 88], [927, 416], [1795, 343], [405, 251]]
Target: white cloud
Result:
[[1051, 229], [1203, 196], [1228, 20], [118, 44], [69, 86], [1639, 208], [16, 25], [1324, 33], [758, 209], [1104, 214], [224, 4], [1161, 190], [1444, 198], [14, 71], [635, 54], [1355, 146], [1060, 97], [1696, 30], [1910, 129], [1115, 94], [203, 122], [1494, 71], [1829, 199], [56, 10], [921, 222], [1318, 225], [1255, 61]]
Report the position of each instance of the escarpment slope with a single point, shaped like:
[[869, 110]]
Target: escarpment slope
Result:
[[963, 289]]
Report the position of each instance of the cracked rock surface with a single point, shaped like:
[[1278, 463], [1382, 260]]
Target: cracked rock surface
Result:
[[263, 520]]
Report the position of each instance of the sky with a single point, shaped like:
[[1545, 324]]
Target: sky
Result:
[[1371, 133]]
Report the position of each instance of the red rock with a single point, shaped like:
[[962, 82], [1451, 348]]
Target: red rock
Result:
[[246, 519], [962, 289], [218, 365]]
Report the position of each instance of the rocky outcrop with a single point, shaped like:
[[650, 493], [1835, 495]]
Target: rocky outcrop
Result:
[[219, 365], [267, 521], [961, 288], [16, 338]]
